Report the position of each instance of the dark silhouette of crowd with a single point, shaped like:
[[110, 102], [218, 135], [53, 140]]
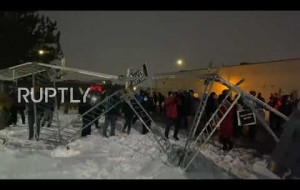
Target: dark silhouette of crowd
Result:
[[179, 109]]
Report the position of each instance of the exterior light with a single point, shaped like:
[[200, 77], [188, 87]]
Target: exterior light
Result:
[[179, 62], [41, 52]]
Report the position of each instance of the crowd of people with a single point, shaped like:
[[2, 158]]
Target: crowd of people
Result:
[[286, 104], [178, 108], [229, 128], [44, 112]]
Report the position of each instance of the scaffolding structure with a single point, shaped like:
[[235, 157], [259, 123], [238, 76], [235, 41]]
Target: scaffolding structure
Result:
[[44, 75], [191, 150]]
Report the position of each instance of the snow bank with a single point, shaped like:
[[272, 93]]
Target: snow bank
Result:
[[260, 167], [62, 151], [133, 156], [242, 163]]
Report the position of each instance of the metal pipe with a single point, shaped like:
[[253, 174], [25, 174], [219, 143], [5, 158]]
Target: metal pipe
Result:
[[101, 75], [233, 103]]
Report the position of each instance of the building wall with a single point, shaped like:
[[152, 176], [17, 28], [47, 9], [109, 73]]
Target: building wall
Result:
[[267, 78], [187, 82]]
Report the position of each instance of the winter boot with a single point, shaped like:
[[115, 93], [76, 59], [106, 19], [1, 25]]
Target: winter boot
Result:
[[224, 145]]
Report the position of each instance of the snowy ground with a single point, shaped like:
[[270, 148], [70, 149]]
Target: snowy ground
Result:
[[121, 157]]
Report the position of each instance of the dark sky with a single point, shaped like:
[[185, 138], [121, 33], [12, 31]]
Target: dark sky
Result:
[[111, 41]]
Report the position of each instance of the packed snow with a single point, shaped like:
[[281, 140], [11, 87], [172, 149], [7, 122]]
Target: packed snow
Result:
[[133, 156]]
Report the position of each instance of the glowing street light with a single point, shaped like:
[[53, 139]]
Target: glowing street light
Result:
[[134, 88], [179, 62], [41, 52]]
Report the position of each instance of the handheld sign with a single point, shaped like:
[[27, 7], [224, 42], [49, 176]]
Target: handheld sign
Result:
[[246, 117], [142, 72]]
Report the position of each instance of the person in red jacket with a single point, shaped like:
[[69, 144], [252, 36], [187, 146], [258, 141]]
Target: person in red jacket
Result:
[[226, 127], [171, 104]]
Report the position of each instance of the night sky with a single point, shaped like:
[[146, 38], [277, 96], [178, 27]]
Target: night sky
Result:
[[112, 41]]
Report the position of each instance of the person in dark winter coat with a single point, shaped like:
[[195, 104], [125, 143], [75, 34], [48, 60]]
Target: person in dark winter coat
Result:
[[222, 96], [294, 99], [212, 104], [161, 99], [128, 113], [274, 119], [194, 103], [83, 107], [48, 113], [152, 104], [147, 105], [171, 106], [15, 108], [31, 116], [180, 109], [111, 117], [5, 104], [259, 96], [155, 100], [286, 108], [186, 100]]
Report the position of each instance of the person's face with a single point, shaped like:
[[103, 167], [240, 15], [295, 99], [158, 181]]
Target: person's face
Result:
[[171, 95], [215, 96]]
